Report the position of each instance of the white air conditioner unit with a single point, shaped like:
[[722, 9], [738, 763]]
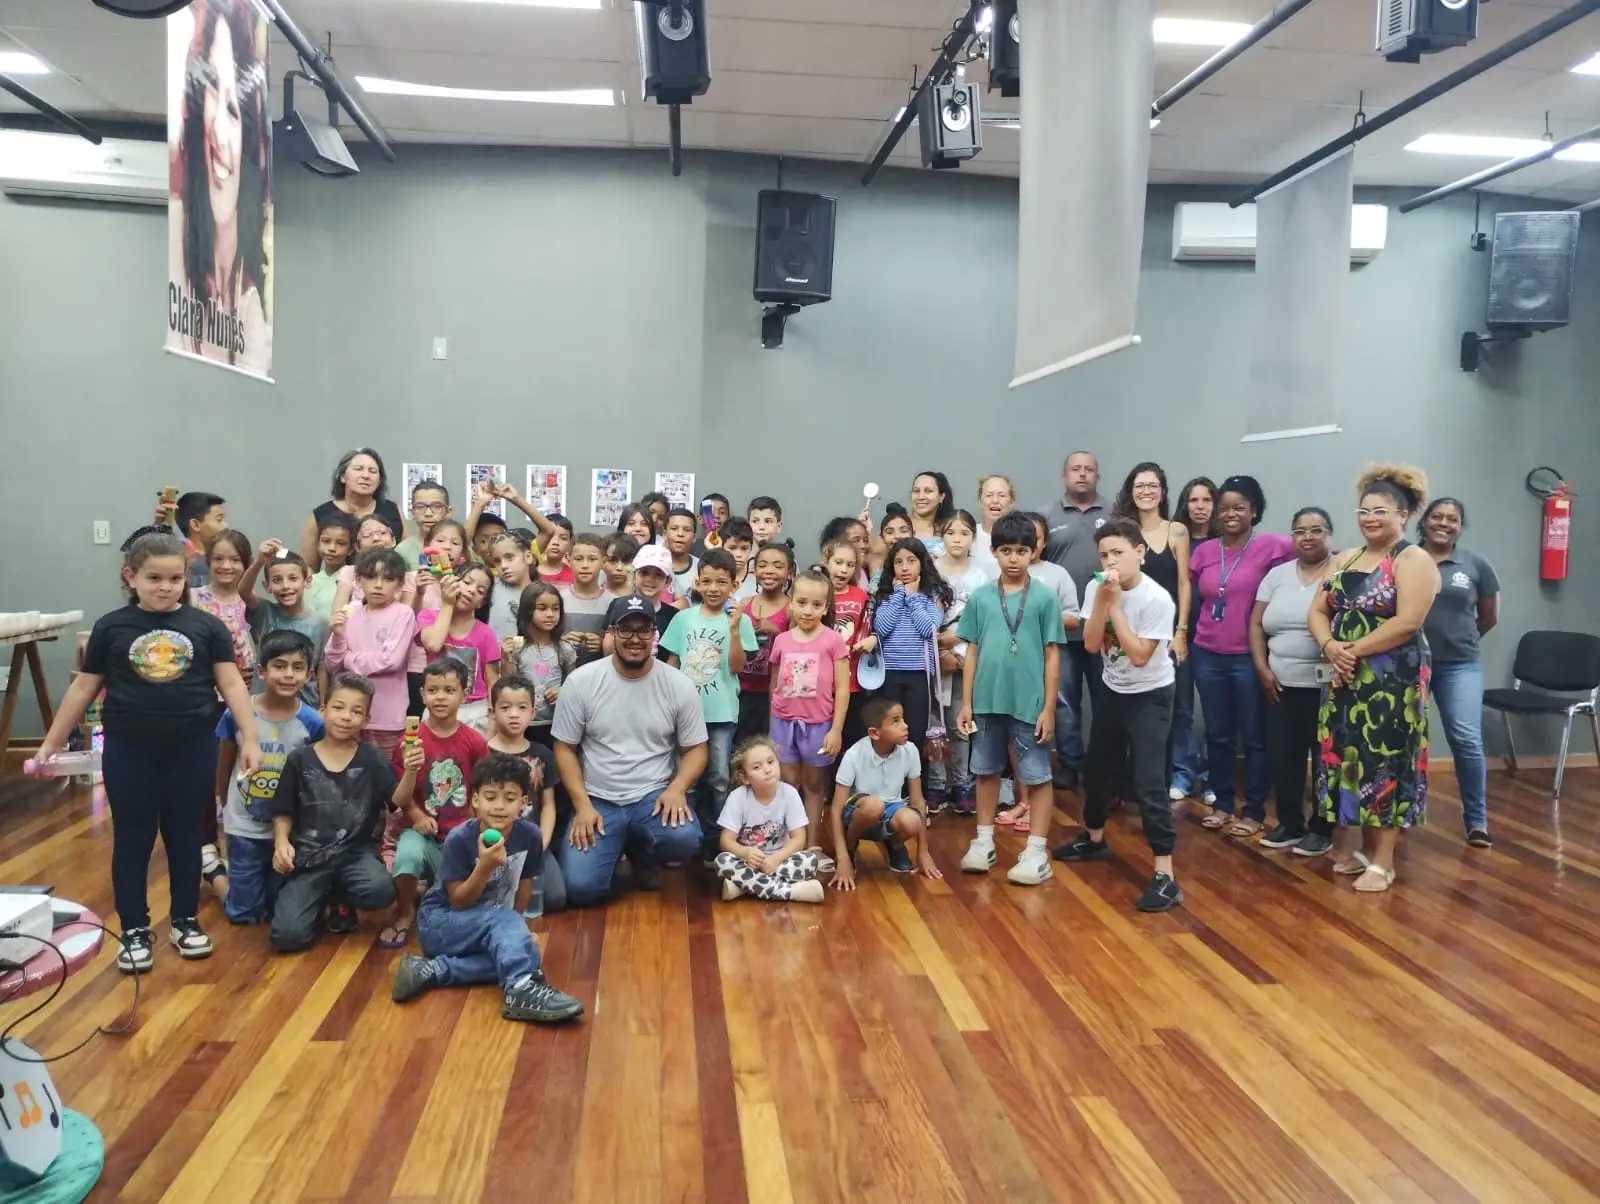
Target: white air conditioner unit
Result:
[[120, 171], [1204, 232]]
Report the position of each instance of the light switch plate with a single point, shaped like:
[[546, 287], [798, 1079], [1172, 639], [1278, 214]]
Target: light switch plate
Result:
[[441, 348], [102, 531]]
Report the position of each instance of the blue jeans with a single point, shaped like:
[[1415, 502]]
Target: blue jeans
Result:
[[1078, 669], [629, 827], [1186, 753], [711, 791], [478, 944], [1458, 692], [252, 882], [1235, 714]]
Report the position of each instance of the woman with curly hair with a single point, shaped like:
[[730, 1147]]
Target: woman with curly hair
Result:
[[1373, 762]]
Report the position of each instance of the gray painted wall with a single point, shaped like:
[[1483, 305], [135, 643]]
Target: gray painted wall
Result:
[[598, 314]]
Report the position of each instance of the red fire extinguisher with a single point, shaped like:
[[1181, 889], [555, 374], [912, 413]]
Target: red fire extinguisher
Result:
[[1556, 533]]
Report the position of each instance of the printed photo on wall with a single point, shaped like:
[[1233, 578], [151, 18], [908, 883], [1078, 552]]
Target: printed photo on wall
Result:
[[219, 202], [495, 474], [547, 488], [415, 474], [610, 490], [679, 488]]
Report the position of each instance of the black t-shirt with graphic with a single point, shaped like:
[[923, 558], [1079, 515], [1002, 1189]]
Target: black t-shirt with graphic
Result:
[[330, 810], [158, 671]]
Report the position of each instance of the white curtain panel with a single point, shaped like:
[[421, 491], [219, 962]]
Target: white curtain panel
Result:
[[1302, 303], [1086, 88]]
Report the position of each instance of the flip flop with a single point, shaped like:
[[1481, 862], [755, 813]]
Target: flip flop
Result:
[[1020, 824], [1007, 817], [1243, 827], [400, 939], [1359, 863]]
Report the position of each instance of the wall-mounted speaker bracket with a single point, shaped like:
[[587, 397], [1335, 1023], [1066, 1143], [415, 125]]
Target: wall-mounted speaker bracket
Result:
[[773, 320], [1472, 344]]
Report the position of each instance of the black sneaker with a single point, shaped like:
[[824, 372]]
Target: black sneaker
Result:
[[412, 977], [1479, 838], [1280, 838], [190, 939], [1312, 844], [1083, 849], [1161, 895], [532, 998], [341, 919], [646, 877], [137, 954], [899, 859], [1064, 778]]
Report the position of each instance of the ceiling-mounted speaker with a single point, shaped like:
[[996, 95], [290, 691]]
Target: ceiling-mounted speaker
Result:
[[142, 8], [950, 124], [1005, 50], [674, 50], [794, 247], [1531, 269]]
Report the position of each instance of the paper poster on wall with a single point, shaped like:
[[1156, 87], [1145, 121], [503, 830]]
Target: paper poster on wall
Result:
[[679, 488], [547, 488], [610, 489], [415, 474], [493, 473], [220, 261]]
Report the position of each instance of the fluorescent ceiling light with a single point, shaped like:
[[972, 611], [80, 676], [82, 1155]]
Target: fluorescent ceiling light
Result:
[[1498, 148], [572, 96], [985, 21], [19, 62], [591, 4], [1589, 66], [1183, 31]]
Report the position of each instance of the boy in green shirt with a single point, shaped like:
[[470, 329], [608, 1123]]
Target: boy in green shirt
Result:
[[1014, 631]]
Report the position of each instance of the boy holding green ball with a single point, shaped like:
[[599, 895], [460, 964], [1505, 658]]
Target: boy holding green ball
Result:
[[470, 925]]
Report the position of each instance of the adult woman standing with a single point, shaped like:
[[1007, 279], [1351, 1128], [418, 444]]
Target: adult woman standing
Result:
[[1372, 769], [1286, 659], [1227, 572], [996, 497], [1197, 511], [931, 506], [1467, 607], [360, 487], [1143, 498]]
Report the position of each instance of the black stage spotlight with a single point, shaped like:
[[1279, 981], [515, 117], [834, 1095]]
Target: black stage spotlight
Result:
[[316, 144], [1409, 29]]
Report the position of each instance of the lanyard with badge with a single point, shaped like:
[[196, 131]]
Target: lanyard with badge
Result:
[[1022, 605], [1220, 606]]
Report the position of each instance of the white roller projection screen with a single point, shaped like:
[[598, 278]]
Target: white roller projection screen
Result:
[[1302, 304], [1086, 87]]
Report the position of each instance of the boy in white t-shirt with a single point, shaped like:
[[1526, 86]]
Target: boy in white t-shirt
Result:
[[763, 824], [1128, 621], [878, 796]]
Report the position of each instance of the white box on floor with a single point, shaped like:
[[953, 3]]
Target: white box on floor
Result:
[[21, 917]]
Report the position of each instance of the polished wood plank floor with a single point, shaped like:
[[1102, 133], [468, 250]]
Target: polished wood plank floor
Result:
[[1279, 1038]]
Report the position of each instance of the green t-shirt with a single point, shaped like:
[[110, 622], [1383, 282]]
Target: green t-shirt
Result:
[[700, 642], [1011, 683]]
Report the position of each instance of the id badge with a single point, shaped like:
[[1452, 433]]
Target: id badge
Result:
[[1218, 609]]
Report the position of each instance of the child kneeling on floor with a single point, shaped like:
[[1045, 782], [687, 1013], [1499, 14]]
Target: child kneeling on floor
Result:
[[471, 926], [763, 826], [325, 817]]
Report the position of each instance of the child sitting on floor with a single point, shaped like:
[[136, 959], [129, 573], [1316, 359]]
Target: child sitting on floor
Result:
[[329, 799], [878, 796], [471, 926], [764, 832]]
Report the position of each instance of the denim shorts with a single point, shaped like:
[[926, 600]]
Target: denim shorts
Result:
[[989, 740], [800, 742], [879, 830]]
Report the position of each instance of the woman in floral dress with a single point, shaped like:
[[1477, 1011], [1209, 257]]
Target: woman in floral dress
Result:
[[1373, 766]]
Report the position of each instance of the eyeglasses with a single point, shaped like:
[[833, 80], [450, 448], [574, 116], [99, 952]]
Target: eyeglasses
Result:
[[430, 507], [1147, 488], [634, 635], [1374, 512], [1298, 532]]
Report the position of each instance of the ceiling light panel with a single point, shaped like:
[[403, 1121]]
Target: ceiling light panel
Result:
[[20, 62], [1490, 147], [1589, 66], [1185, 31], [570, 96], [588, 4]]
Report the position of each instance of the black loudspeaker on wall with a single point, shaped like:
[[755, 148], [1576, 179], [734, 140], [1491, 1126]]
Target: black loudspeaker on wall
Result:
[[950, 124], [1005, 50], [794, 247], [676, 55], [1530, 270]]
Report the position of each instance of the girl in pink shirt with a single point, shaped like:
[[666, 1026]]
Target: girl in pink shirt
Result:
[[456, 629], [373, 637]]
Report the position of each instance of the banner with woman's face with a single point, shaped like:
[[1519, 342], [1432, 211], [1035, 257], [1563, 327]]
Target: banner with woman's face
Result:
[[219, 142]]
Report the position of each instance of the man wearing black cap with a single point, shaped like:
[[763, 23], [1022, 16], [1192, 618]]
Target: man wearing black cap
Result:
[[630, 742]]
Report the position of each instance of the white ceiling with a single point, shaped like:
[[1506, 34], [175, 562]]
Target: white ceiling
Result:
[[823, 78]]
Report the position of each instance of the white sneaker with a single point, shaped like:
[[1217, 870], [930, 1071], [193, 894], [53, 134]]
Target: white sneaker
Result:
[[190, 940], [1210, 798], [809, 891], [730, 892], [825, 864], [979, 858], [1177, 794], [136, 956], [1032, 868]]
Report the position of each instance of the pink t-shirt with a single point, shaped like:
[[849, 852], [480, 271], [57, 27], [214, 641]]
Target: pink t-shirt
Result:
[[1245, 567], [375, 643], [803, 687], [476, 649], [563, 578]]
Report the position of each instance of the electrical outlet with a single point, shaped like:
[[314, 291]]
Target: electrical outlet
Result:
[[102, 531]]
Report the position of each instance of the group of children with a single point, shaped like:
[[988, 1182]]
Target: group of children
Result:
[[382, 735]]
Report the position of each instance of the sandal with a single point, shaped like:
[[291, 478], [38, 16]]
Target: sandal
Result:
[[1007, 817], [1243, 827], [1374, 880], [395, 936], [1359, 863], [1019, 820], [1217, 819]]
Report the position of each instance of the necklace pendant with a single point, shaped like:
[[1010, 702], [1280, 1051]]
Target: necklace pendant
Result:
[[1013, 645]]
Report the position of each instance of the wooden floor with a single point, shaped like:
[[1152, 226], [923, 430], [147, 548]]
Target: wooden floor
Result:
[[1278, 1038]]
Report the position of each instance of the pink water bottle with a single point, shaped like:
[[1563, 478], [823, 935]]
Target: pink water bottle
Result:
[[63, 765]]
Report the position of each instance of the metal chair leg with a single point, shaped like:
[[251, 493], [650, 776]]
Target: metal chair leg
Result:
[[1594, 724], [1511, 743], [1561, 759]]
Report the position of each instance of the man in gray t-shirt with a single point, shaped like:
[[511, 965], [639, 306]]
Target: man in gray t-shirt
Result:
[[1070, 526], [630, 740]]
